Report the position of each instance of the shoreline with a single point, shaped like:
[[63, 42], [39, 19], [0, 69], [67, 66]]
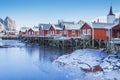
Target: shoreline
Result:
[[94, 63]]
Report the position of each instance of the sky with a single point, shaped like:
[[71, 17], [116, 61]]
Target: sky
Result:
[[33, 12]]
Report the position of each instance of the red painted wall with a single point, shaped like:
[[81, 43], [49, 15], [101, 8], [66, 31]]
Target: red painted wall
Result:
[[30, 32], [36, 33], [116, 31], [22, 33], [85, 27], [100, 34]]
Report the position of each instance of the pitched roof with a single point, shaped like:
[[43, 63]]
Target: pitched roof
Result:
[[65, 22], [102, 25], [45, 26], [57, 27], [73, 26], [111, 12], [35, 28], [23, 29], [88, 24], [117, 26]]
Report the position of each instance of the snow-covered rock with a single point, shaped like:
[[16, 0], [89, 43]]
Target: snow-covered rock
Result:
[[89, 59], [110, 63], [85, 59]]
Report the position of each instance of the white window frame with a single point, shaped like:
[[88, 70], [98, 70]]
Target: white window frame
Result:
[[88, 31], [84, 31]]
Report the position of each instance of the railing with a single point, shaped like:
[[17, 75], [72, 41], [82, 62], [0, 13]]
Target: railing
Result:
[[115, 40]]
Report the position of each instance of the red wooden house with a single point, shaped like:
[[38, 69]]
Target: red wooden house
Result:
[[86, 31], [30, 32], [101, 31], [71, 30], [100, 34], [116, 31], [11, 33], [115, 34], [23, 31], [36, 31], [55, 30], [44, 29]]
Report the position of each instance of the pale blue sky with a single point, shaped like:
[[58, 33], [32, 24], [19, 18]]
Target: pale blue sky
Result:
[[33, 12]]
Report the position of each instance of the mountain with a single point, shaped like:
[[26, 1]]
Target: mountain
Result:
[[7, 24], [1, 20], [2, 28]]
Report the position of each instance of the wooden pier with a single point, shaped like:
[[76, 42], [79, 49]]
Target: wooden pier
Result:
[[64, 43]]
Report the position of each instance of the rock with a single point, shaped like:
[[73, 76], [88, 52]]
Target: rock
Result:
[[97, 68], [86, 70]]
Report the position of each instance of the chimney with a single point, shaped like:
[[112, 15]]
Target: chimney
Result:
[[97, 20]]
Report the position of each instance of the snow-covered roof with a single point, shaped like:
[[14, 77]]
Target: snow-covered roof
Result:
[[23, 29], [57, 27], [45, 26], [65, 22], [89, 23], [102, 25], [35, 28], [73, 26]]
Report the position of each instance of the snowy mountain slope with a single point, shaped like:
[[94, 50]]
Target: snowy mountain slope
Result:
[[7, 24]]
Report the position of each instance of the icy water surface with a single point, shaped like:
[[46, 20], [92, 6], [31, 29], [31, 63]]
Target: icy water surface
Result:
[[24, 62]]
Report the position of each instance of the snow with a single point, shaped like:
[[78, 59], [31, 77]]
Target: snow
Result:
[[73, 26], [79, 57], [87, 59]]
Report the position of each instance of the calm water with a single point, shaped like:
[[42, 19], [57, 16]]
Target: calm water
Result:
[[25, 62]]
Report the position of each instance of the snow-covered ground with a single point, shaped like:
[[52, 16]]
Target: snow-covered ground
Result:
[[82, 63]]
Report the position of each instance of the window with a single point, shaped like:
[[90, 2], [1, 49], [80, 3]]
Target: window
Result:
[[48, 32], [118, 35], [88, 32], [60, 32], [73, 31], [65, 32], [84, 31], [52, 32]]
